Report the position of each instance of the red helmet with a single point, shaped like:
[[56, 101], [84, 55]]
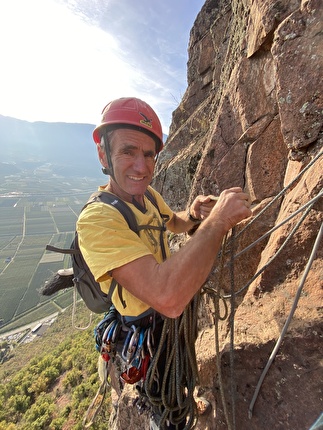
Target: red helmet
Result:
[[132, 112]]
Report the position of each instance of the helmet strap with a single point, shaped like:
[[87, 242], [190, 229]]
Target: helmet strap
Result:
[[107, 170]]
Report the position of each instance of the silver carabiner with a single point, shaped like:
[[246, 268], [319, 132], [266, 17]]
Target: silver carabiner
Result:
[[132, 347], [149, 342], [106, 332], [125, 345]]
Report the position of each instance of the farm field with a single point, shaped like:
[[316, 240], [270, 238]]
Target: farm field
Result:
[[28, 221]]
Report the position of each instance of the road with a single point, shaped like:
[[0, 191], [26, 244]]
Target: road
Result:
[[27, 326]]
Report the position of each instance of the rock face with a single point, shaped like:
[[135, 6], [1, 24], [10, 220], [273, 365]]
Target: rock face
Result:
[[252, 116]]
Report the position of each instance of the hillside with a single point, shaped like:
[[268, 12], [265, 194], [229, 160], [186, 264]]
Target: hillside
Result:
[[50, 382]]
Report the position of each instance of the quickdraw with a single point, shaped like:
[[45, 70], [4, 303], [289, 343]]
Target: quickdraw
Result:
[[136, 351]]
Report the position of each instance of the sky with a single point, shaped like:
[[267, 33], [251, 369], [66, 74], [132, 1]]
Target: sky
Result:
[[64, 60]]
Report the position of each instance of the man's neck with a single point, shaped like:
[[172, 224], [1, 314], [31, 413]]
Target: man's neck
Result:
[[113, 187]]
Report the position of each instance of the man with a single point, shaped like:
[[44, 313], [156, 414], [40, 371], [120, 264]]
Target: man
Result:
[[128, 141]]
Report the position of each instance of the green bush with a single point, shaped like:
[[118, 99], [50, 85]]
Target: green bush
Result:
[[63, 364], [72, 378], [40, 415]]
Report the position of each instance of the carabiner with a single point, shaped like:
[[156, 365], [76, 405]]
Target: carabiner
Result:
[[125, 345], [132, 347], [107, 330], [136, 362], [150, 339]]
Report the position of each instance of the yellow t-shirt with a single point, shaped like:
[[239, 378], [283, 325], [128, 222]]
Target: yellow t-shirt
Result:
[[107, 242]]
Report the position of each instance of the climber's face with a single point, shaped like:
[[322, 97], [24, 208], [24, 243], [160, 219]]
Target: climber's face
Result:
[[133, 159]]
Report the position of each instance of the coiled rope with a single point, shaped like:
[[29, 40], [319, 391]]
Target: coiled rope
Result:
[[174, 398]]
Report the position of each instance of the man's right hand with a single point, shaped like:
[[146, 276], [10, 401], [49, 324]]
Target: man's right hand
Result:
[[232, 207]]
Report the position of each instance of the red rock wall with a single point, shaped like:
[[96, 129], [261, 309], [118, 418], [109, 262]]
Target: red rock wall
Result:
[[252, 116]]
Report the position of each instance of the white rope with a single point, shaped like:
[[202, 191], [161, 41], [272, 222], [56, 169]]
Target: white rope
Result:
[[74, 312], [96, 405]]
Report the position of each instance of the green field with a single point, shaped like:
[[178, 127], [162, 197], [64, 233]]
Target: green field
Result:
[[29, 221]]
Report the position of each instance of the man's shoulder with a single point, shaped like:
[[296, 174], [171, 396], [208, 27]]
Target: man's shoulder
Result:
[[100, 207]]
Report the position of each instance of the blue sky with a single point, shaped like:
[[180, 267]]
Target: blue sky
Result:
[[64, 60]]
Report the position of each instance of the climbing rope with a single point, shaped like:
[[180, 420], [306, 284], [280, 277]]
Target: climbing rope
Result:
[[286, 325], [216, 296], [228, 246], [214, 293], [75, 299], [282, 246], [97, 402], [282, 192], [172, 392], [231, 323], [276, 227], [174, 395]]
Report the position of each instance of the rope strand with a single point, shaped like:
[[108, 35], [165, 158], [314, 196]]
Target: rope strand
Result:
[[174, 399], [213, 293], [276, 227], [265, 266], [282, 192], [231, 319], [290, 316]]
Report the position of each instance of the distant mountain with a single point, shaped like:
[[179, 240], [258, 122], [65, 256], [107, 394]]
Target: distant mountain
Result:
[[65, 149], [59, 148]]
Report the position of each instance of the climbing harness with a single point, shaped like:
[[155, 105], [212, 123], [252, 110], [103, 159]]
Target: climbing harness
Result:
[[165, 374], [134, 346]]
